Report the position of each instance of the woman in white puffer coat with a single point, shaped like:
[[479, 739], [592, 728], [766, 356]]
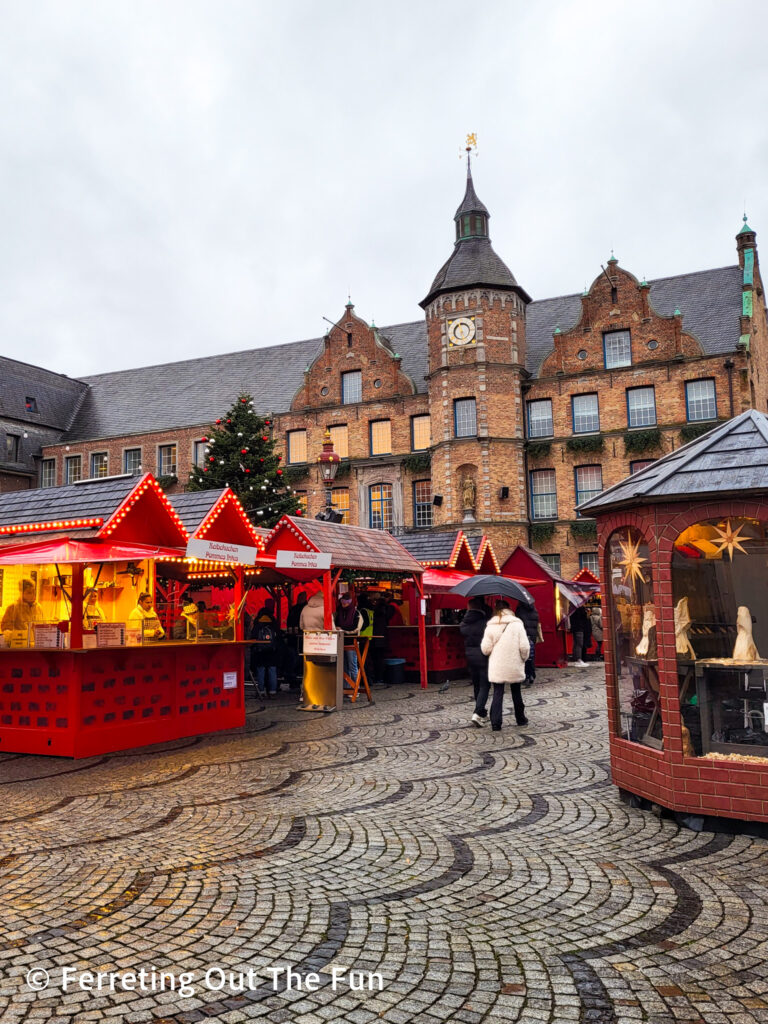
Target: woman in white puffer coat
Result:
[[507, 646]]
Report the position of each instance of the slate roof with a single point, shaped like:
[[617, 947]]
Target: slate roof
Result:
[[193, 506], [354, 547], [196, 390], [57, 396], [470, 203], [472, 262], [88, 500], [732, 458], [428, 546]]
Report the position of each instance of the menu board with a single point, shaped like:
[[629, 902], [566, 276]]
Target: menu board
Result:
[[110, 634]]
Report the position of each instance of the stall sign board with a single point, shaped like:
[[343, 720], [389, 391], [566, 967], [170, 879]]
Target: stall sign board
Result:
[[110, 634], [229, 681], [303, 560], [46, 635], [320, 643], [218, 551]]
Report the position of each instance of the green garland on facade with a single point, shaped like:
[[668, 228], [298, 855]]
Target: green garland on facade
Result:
[[693, 430], [542, 532], [638, 441], [420, 463], [537, 449], [584, 529], [584, 444]]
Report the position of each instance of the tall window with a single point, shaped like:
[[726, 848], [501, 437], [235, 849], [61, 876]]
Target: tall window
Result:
[[99, 464], [465, 417], [132, 460], [297, 446], [12, 447], [641, 407], [351, 387], [48, 473], [589, 560], [617, 346], [30, 404], [73, 469], [586, 414], [639, 465], [543, 494], [589, 482], [421, 435], [340, 497], [166, 460], [340, 437], [540, 418], [381, 437], [422, 503], [553, 561], [380, 500], [200, 453], [700, 400]]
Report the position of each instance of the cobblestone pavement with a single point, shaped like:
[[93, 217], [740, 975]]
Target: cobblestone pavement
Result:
[[485, 876]]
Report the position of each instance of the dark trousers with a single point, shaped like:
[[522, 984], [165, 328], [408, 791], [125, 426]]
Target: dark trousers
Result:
[[530, 665], [497, 704], [477, 663]]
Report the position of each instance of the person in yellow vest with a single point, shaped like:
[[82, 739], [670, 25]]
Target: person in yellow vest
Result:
[[144, 617], [24, 610]]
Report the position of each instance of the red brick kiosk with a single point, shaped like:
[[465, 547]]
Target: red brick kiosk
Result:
[[84, 671], [683, 548]]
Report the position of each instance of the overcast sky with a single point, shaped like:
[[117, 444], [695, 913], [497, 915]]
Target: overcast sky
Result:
[[185, 177]]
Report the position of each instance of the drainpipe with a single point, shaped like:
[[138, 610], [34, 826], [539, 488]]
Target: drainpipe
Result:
[[729, 365]]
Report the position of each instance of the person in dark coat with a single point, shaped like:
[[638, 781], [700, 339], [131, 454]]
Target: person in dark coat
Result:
[[581, 628], [472, 628], [529, 616], [265, 653], [383, 613]]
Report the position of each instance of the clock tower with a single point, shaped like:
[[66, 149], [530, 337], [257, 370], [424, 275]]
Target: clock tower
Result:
[[475, 312]]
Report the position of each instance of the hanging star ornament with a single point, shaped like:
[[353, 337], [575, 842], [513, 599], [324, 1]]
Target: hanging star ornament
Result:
[[729, 540], [632, 562]]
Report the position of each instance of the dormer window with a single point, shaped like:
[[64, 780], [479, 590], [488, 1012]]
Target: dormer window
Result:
[[471, 225], [30, 404]]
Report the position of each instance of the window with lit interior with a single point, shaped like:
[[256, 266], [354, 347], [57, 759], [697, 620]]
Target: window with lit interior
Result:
[[380, 505]]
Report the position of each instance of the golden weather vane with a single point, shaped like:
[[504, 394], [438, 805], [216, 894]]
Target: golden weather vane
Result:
[[471, 143]]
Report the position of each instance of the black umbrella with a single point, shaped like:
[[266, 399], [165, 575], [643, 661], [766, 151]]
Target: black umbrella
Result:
[[478, 586]]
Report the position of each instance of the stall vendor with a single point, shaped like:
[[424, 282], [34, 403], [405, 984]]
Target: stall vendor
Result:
[[24, 610], [144, 617], [185, 627], [93, 612]]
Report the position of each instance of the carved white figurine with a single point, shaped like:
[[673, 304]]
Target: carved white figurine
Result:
[[649, 623], [744, 649], [682, 628]]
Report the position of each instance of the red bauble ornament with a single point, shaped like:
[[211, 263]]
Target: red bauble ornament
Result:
[[243, 451], [265, 438], [203, 439], [279, 457], [244, 400], [218, 421], [247, 471], [266, 423], [229, 421], [261, 460], [279, 472], [205, 469], [299, 512], [211, 459]]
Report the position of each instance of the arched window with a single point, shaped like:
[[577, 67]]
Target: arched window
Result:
[[630, 584]]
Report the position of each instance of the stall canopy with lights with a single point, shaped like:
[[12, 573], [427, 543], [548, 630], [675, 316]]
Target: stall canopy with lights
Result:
[[683, 549]]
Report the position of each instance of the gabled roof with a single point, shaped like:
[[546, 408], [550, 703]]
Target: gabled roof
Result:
[[351, 547], [216, 515], [730, 459], [92, 499], [435, 549], [194, 506]]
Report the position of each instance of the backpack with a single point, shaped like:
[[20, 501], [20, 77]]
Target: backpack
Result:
[[265, 633]]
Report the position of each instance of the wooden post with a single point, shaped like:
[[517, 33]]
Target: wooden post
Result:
[[239, 592], [76, 622], [423, 668]]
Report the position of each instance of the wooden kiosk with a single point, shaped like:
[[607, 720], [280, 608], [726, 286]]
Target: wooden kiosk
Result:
[[82, 670], [683, 548]]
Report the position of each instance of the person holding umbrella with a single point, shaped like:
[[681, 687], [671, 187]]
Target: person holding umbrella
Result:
[[506, 644]]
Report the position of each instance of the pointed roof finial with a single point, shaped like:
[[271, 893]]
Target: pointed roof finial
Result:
[[745, 229]]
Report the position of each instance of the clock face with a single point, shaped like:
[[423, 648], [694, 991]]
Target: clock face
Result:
[[461, 331]]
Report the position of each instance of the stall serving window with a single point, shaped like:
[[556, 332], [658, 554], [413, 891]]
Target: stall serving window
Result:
[[721, 637], [634, 640]]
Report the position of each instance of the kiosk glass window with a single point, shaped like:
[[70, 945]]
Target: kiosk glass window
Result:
[[631, 593], [380, 502], [721, 635]]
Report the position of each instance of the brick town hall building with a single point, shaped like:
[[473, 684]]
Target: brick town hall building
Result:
[[496, 413]]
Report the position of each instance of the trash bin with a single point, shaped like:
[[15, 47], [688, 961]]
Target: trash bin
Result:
[[394, 670]]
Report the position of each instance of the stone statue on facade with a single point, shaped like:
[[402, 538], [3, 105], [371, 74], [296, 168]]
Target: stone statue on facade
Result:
[[468, 498]]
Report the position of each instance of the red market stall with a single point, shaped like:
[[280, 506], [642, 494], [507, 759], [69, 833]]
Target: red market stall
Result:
[[335, 553], [86, 666], [683, 547]]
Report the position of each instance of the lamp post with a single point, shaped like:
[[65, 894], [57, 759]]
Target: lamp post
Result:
[[328, 460]]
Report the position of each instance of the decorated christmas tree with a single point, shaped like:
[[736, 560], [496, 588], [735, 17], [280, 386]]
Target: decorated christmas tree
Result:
[[241, 455]]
